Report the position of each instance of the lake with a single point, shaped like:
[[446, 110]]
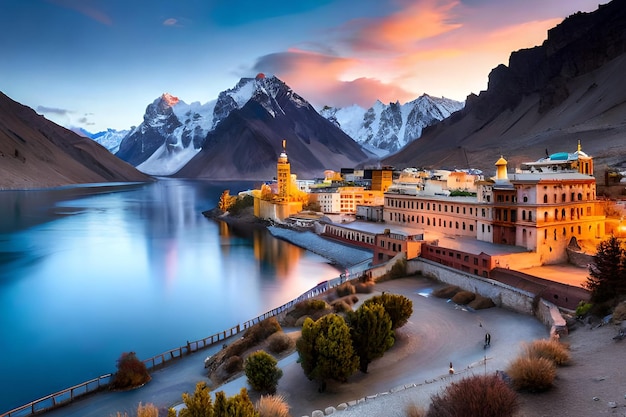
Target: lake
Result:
[[89, 272]]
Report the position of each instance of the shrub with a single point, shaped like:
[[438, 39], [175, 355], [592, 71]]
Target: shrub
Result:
[[398, 270], [463, 297], [364, 287], [583, 308], [313, 308], [233, 364], [480, 302], [198, 404], [262, 371], [280, 342], [341, 306], [272, 406], [148, 410], [131, 372], [345, 289], [446, 292], [414, 411], [553, 350], [619, 313], [262, 330], [475, 396], [532, 374]]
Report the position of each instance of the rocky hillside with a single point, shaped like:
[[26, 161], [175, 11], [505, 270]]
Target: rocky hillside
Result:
[[568, 89], [36, 153]]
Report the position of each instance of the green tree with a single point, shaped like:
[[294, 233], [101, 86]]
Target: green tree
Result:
[[607, 274], [239, 405], [199, 404], [397, 306], [371, 333], [220, 406], [325, 350], [262, 372]]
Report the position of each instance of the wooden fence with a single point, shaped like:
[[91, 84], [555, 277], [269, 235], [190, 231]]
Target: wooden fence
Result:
[[93, 385]]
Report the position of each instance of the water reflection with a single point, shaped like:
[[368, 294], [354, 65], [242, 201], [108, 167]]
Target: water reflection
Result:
[[87, 274]]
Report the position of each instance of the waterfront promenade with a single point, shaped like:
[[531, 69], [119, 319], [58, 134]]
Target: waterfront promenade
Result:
[[438, 333]]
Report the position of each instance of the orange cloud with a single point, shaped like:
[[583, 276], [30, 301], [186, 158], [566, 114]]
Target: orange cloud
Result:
[[416, 21]]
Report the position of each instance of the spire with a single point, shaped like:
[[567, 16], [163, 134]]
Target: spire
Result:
[[501, 173], [579, 147]]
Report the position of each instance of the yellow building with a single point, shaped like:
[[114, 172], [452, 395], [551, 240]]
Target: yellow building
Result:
[[381, 179], [543, 207], [281, 205]]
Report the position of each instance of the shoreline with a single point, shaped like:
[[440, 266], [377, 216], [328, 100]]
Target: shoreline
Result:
[[339, 254]]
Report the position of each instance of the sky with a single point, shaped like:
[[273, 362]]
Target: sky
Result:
[[97, 64]]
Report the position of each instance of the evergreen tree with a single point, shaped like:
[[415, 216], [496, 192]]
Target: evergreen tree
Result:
[[326, 351], [371, 332], [262, 372], [240, 405], [397, 306], [220, 406], [199, 404], [607, 274]]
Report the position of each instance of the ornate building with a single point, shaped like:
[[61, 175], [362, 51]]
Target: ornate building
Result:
[[543, 207]]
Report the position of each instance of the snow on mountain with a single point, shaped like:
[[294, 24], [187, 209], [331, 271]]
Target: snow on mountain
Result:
[[110, 138], [386, 128], [173, 131]]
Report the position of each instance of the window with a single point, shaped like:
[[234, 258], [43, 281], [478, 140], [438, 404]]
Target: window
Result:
[[545, 199], [525, 199]]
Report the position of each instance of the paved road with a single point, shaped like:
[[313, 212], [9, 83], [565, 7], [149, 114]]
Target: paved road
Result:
[[438, 333]]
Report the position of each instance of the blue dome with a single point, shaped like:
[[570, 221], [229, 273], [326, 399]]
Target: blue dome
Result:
[[559, 156]]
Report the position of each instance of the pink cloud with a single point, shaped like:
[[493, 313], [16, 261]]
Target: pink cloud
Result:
[[415, 22], [170, 22], [320, 79], [85, 7]]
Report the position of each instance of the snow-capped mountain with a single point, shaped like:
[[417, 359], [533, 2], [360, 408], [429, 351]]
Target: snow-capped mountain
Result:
[[110, 138], [174, 133], [386, 128]]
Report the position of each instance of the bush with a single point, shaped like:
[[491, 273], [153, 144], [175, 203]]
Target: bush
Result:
[[313, 308], [480, 302], [272, 406], [532, 374], [233, 364], [131, 372], [262, 372], [148, 410], [553, 350], [619, 313], [398, 270], [446, 292], [583, 308], [262, 330], [364, 287], [414, 411], [280, 342], [463, 297], [345, 289], [341, 306], [475, 396]]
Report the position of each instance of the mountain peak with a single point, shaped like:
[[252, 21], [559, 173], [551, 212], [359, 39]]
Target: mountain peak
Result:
[[170, 99]]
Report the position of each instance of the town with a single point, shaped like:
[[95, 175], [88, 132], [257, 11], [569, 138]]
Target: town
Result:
[[541, 213]]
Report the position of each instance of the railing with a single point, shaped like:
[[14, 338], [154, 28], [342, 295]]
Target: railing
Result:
[[70, 394]]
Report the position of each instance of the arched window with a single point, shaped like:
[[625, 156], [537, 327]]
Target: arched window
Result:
[[545, 199]]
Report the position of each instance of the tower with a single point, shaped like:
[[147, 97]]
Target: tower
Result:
[[283, 175], [501, 173]]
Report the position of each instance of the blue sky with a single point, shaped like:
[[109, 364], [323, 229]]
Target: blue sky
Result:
[[97, 64]]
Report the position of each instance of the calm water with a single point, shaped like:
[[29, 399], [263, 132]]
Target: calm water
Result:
[[87, 273]]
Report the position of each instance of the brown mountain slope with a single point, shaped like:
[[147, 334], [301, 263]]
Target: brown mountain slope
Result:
[[36, 153], [571, 88]]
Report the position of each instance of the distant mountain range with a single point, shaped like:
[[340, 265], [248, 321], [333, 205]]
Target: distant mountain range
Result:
[[548, 98], [36, 153], [386, 128], [239, 135]]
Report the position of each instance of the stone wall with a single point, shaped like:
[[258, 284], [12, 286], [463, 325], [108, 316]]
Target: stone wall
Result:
[[503, 295]]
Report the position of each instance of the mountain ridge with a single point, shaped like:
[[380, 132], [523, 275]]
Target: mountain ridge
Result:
[[546, 100]]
